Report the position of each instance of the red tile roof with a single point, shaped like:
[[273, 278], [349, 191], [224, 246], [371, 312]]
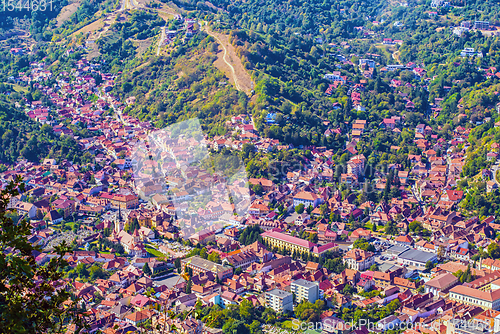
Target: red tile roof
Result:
[[289, 239]]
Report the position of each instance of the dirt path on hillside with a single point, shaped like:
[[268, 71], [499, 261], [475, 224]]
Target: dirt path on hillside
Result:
[[67, 11], [160, 42], [230, 64]]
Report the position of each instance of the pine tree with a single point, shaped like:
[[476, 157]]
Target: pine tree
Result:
[[147, 270]]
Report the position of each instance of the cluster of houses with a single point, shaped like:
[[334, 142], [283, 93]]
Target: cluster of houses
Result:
[[164, 207]]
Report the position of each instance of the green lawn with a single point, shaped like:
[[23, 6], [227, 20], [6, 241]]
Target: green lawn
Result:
[[369, 226], [154, 252]]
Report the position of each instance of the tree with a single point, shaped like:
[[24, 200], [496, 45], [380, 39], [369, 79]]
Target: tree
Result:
[[313, 237], [246, 310], [324, 210], [96, 272], [146, 270], [203, 253], [177, 263], [81, 270], [214, 257], [257, 189], [348, 289], [391, 228], [364, 245], [234, 326], [189, 286], [429, 265], [299, 208], [494, 250], [29, 300]]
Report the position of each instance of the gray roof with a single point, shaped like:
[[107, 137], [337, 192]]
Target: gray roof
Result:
[[304, 283], [396, 250], [119, 309], [279, 293], [385, 266], [417, 255]]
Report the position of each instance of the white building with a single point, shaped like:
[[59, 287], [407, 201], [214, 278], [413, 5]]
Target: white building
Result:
[[369, 62], [358, 259], [280, 301], [305, 290], [335, 76], [306, 198]]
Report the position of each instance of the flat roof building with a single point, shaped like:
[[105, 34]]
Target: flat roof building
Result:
[[280, 301], [305, 290], [416, 258]]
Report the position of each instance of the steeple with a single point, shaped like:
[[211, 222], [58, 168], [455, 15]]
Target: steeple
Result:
[[135, 235], [119, 213]]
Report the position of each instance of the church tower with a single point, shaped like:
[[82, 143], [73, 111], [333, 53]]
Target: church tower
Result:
[[118, 224]]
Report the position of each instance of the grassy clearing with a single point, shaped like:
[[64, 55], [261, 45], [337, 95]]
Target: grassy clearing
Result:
[[154, 252]]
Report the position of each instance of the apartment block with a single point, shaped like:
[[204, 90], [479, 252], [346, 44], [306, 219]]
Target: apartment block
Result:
[[305, 290], [280, 301]]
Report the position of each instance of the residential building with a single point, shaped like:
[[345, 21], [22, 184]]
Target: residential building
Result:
[[306, 198], [241, 259], [305, 290], [358, 259], [280, 301], [24, 208], [482, 25]]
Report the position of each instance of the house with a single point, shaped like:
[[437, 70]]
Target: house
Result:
[[202, 237], [403, 284], [404, 240], [266, 184], [138, 317], [366, 62], [230, 298], [491, 186], [24, 208], [358, 259], [454, 196], [335, 76], [241, 260], [306, 198], [382, 280], [54, 217]]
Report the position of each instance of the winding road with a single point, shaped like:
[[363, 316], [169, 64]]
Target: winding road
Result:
[[207, 30]]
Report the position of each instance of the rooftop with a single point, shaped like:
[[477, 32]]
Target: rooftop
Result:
[[417, 255], [302, 282], [289, 239], [279, 293]]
